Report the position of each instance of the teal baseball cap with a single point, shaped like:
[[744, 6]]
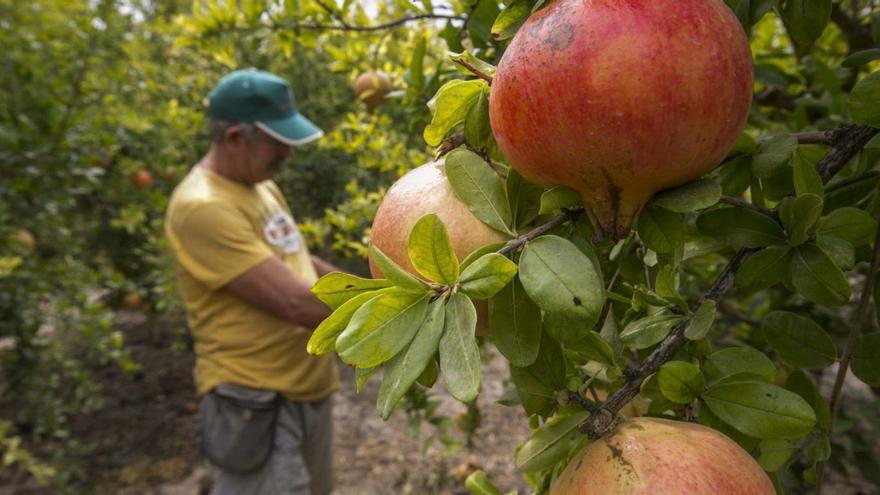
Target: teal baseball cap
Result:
[[265, 100]]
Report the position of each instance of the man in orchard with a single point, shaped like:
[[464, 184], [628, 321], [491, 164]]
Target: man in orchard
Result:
[[244, 274]]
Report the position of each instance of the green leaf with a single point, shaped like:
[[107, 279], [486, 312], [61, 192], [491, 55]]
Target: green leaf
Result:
[[361, 376], [450, 106], [404, 368], [381, 328], [478, 484], [323, 339], [429, 375], [470, 59], [806, 179], [660, 229], [680, 382], [510, 19], [761, 410], [480, 22], [665, 285], [805, 20], [860, 58], [594, 348], [479, 253], [864, 101], [841, 252], [702, 321], [480, 188], [557, 198], [707, 418], [562, 281], [737, 360], [334, 289], [516, 324], [459, 354], [431, 252], [524, 197], [773, 154], [850, 224], [650, 330], [776, 452], [537, 384], [866, 359], [477, 133], [817, 278], [799, 341], [551, 443], [801, 384], [693, 196], [393, 272], [416, 65], [851, 191], [764, 268], [486, 276], [798, 215], [741, 227]]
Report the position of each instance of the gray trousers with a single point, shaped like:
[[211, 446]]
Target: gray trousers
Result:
[[301, 462]]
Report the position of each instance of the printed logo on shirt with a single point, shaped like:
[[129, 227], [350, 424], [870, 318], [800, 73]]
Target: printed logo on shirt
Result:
[[281, 231]]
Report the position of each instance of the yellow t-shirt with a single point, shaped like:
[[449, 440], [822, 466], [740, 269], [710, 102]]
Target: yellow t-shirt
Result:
[[217, 230]]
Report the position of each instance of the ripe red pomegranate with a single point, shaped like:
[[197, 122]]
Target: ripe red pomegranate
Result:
[[662, 457], [420, 191], [618, 99]]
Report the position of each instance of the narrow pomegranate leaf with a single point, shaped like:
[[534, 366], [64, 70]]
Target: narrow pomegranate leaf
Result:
[[765, 268], [487, 275], [459, 354], [816, 277], [680, 381], [479, 187], [323, 339], [516, 324], [864, 101], [551, 443], [563, 282], [798, 340], [450, 107], [404, 368], [866, 359], [430, 251], [334, 289], [761, 410], [381, 328]]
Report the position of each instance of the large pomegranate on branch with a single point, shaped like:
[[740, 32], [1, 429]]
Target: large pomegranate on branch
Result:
[[618, 99]]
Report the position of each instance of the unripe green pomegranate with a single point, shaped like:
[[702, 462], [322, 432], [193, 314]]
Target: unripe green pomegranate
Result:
[[619, 99]]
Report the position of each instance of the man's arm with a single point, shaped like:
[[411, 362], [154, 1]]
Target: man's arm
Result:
[[272, 287], [322, 267]]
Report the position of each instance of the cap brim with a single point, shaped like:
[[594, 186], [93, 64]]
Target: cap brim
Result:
[[294, 131]]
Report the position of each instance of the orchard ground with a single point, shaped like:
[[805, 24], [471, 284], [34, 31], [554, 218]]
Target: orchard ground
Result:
[[145, 436]]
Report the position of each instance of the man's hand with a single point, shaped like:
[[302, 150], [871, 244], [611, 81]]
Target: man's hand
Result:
[[272, 287]]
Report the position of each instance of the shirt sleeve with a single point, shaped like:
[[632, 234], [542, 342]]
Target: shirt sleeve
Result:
[[215, 243]]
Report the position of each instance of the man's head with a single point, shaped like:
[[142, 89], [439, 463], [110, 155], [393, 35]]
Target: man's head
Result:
[[254, 123]]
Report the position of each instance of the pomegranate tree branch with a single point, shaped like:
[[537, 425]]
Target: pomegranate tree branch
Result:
[[597, 425], [855, 332], [482, 75], [348, 27], [847, 142], [521, 240], [333, 13]]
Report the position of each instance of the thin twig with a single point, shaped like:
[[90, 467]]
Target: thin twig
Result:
[[520, 241], [741, 203], [333, 13], [348, 27], [855, 332], [477, 72]]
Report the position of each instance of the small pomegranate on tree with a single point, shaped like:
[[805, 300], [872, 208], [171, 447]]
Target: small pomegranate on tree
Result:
[[421, 191], [371, 87], [618, 100]]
